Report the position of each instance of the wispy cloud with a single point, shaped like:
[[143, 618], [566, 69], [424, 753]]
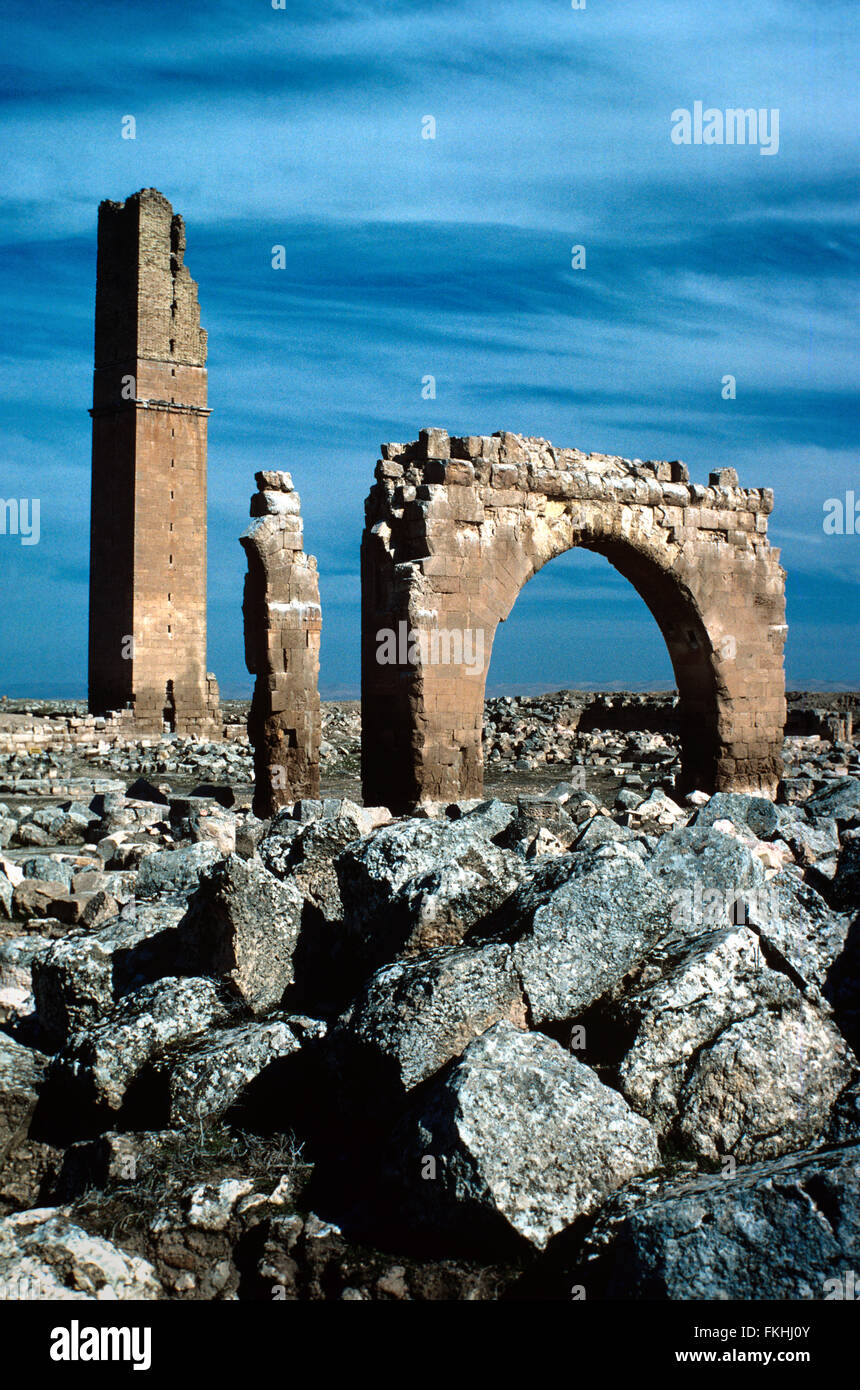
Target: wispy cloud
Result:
[[451, 257]]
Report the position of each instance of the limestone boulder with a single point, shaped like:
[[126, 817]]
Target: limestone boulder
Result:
[[22, 1073], [12, 872], [35, 897], [208, 1078], [420, 884], [176, 871], [66, 824], [721, 1053], [810, 842], [243, 927], [756, 814], [489, 818], [840, 801], [28, 833], [305, 853], [79, 979], [205, 821], [122, 813], [706, 876], [536, 819], [578, 927], [51, 868], [249, 833], [44, 1255], [660, 810], [794, 922], [765, 1087], [24, 1160], [603, 830], [17, 957], [413, 1016], [518, 1136], [786, 1230], [95, 1068]]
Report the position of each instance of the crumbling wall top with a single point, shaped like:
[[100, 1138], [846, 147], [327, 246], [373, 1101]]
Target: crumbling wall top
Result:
[[146, 300], [505, 460]]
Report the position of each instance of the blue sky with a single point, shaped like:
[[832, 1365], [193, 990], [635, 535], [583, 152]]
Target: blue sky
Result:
[[451, 257]]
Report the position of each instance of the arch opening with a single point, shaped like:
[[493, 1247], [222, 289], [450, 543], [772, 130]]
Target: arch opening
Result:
[[685, 642]]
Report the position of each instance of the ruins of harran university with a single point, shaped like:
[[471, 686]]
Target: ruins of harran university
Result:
[[454, 528]]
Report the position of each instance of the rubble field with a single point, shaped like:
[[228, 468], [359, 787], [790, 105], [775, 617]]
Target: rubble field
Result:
[[585, 1033]]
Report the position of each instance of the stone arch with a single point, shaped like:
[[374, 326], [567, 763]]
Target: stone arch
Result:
[[456, 527]]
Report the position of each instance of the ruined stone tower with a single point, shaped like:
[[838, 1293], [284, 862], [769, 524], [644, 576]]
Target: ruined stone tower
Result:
[[147, 647]]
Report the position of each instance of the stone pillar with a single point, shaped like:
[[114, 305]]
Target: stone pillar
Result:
[[282, 643]]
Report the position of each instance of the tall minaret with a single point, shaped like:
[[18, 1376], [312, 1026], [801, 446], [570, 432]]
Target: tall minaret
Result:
[[148, 520]]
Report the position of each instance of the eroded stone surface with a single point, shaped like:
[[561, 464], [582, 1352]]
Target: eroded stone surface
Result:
[[45, 1255], [777, 1230], [521, 1130]]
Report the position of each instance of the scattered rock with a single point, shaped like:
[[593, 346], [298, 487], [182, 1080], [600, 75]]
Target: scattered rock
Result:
[[519, 1134], [243, 927], [80, 977], [579, 926], [415, 1015], [419, 884], [175, 870], [35, 898], [208, 1078], [840, 801], [762, 818], [44, 1255], [721, 1053], [782, 1230], [24, 1161], [97, 1065]]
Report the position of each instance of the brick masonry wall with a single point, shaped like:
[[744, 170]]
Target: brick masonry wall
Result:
[[456, 526]]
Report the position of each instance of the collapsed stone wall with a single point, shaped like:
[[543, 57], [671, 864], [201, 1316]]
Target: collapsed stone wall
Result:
[[836, 724], [456, 526], [65, 734], [282, 642]]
